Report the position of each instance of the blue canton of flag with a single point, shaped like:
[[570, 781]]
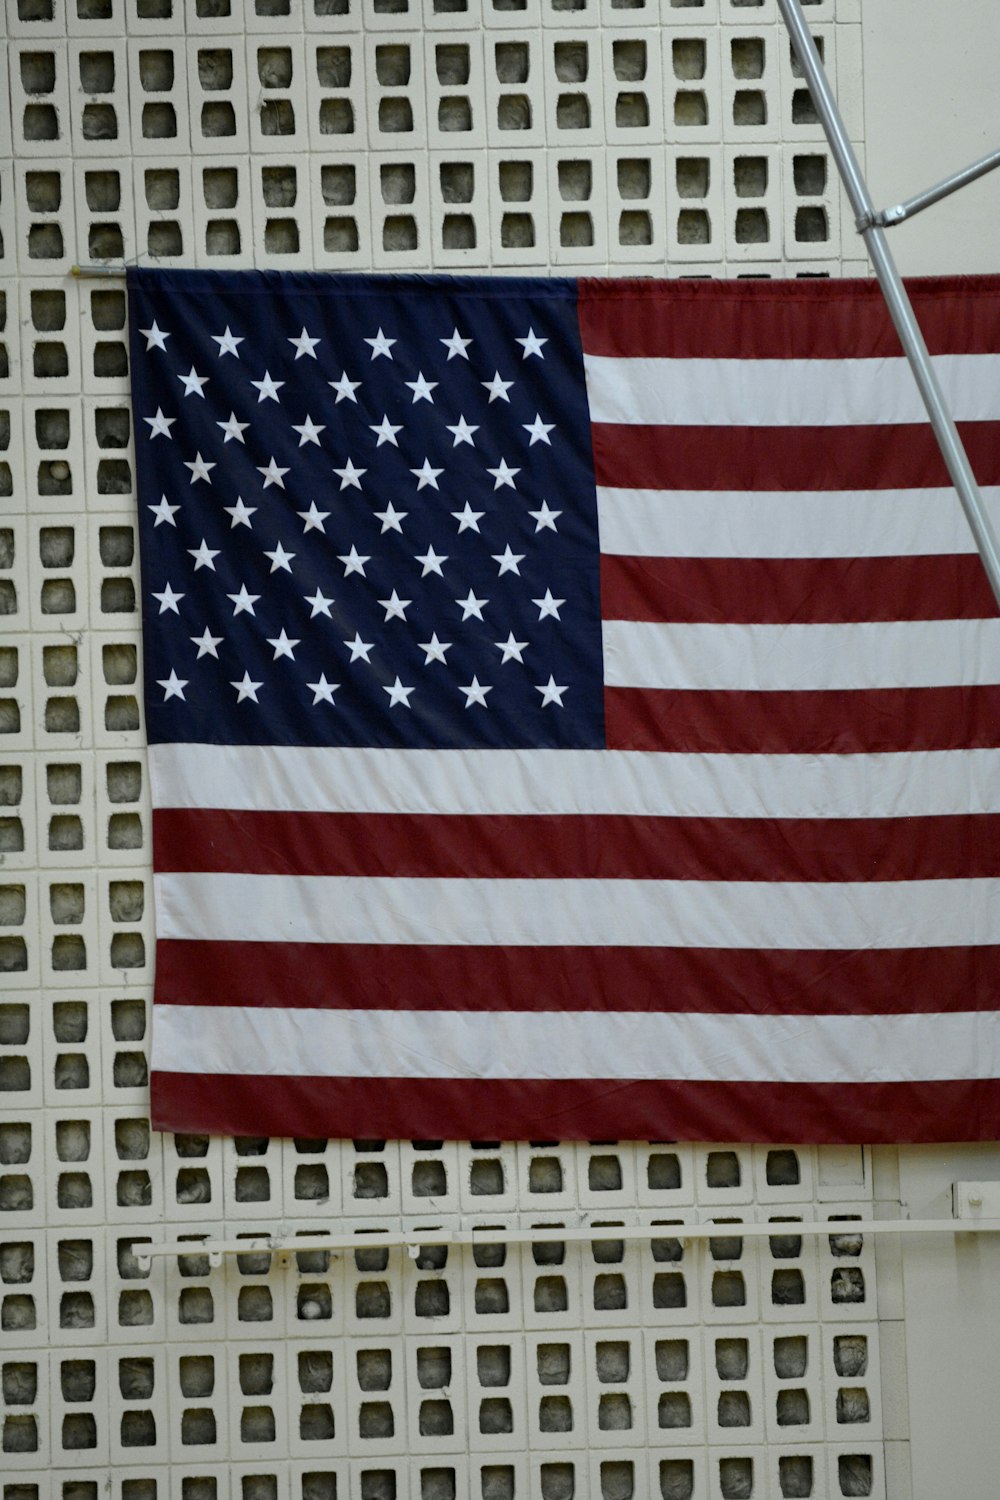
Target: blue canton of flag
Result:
[[376, 520]]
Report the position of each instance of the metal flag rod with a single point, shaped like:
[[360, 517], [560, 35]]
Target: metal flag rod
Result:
[[887, 217], [87, 273], [893, 290]]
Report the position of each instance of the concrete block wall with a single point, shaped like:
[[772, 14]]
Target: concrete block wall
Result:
[[652, 137]]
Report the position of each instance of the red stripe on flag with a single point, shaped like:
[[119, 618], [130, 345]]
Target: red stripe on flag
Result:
[[552, 847], [532, 1109], [794, 320], [799, 590], [709, 980], [902, 456], [868, 720]]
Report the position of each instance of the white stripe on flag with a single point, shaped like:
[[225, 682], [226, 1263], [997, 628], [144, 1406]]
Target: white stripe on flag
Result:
[[759, 523], [794, 658], [785, 392], [281, 778], [497, 1044], [579, 913]]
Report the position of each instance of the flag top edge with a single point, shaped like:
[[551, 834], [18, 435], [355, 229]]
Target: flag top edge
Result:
[[814, 290], [266, 283], [632, 288]]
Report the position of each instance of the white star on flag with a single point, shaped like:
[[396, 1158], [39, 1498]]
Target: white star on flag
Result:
[[233, 430], [507, 561], [282, 646], [200, 469], [304, 344], [475, 692], [456, 345], [467, 518], [323, 691], [548, 606], [353, 562], [206, 643], [272, 473], [159, 426], [510, 649], [434, 649], [497, 388], [463, 432], [320, 604], [385, 432], [280, 559], [398, 693], [203, 556], [312, 519], [155, 337], [164, 512], [531, 344], [349, 475], [345, 388], [472, 606], [421, 388], [169, 600], [308, 432], [228, 342], [246, 688], [381, 345], [173, 686], [502, 475], [425, 475], [539, 431], [544, 518], [267, 387], [391, 518], [550, 692], [193, 382], [243, 602], [240, 513], [395, 607], [431, 562], [359, 648]]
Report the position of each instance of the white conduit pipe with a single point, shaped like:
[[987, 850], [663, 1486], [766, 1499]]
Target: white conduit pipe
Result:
[[413, 1240]]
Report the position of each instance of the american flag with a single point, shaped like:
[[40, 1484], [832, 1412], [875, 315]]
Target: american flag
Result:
[[573, 708]]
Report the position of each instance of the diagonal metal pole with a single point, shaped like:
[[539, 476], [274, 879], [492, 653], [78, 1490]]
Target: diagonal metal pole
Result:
[[893, 290]]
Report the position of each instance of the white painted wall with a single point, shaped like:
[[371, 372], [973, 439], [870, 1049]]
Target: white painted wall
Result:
[[932, 106], [951, 1311]]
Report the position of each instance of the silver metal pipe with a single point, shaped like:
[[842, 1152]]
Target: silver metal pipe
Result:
[[413, 1239], [894, 292], [887, 217]]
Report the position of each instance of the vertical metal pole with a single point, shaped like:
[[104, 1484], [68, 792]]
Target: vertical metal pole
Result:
[[894, 291]]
